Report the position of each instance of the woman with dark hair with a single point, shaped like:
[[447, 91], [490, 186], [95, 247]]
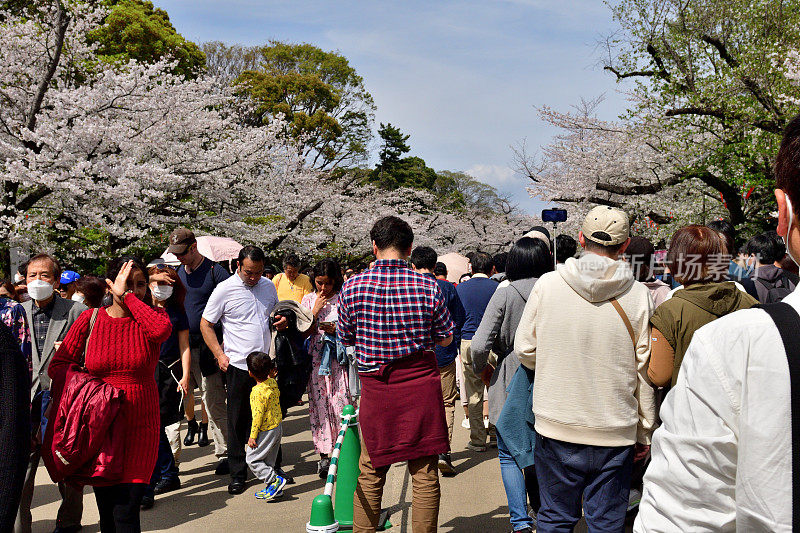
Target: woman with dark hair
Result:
[[528, 260], [697, 260], [172, 374], [90, 290], [328, 390], [7, 290], [122, 350]]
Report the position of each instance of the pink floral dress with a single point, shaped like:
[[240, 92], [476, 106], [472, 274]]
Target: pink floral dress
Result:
[[327, 395]]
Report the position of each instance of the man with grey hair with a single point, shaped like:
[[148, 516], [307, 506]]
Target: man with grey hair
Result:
[[49, 318]]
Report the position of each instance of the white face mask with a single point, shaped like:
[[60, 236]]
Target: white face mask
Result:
[[18, 278], [161, 292], [78, 297], [40, 290], [789, 231]]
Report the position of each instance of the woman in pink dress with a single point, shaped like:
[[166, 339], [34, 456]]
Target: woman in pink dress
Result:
[[328, 391]]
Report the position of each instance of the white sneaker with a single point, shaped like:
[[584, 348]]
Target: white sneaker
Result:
[[465, 423]]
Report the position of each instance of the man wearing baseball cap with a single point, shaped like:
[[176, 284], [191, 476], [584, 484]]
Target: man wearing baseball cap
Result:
[[67, 283], [200, 276], [585, 333]]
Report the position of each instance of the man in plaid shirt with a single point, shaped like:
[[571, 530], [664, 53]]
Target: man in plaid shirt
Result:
[[394, 317]]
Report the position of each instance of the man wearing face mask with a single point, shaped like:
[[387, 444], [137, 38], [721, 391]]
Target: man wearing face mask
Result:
[[242, 303], [49, 318], [723, 457]]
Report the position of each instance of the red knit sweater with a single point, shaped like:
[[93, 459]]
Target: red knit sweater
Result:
[[124, 353]]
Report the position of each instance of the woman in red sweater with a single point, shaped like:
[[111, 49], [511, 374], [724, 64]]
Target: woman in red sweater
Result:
[[123, 350]]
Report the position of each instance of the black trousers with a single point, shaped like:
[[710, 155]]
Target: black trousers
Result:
[[119, 507], [239, 385]]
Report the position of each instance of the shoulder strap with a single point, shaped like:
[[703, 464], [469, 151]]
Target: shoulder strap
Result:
[[213, 275], [91, 328], [625, 319], [788, 323]]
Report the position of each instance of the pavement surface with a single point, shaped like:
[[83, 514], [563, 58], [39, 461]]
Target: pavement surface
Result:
[[473, 501]]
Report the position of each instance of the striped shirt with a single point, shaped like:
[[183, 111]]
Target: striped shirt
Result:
[[390, 312]]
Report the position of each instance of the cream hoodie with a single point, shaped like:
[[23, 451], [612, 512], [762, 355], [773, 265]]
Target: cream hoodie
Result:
[[591, 387]]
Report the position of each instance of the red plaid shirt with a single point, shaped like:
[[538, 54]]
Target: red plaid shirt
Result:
[[390, 312]]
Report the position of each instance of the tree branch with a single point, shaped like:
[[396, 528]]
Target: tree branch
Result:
[[302, 215], [748, 82], [31, 198], [771, 126], [62, 23], [635, 190], [623, 75]]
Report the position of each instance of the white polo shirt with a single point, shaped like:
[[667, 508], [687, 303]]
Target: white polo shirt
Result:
[[244, 312]]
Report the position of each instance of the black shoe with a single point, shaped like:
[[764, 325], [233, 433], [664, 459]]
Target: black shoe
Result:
[[289, 479], [446, 465], [167, 485], [223, 468], [524, 530], [67, 529], [191, 431], [202, 440], [236, 487], [147, 502], [323, 466]]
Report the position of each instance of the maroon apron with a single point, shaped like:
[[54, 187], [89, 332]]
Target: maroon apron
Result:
[[402, 411]]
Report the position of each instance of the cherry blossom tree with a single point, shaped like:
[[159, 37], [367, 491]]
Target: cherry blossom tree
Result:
[[709, 92], [99, 158], [88, 148]]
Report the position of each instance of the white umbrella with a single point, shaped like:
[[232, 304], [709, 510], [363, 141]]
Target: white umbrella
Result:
[[215, 248], [457, 266]]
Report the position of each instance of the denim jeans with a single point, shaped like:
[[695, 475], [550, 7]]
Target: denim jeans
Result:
[[567, 472], [165, 464], [514, 483]]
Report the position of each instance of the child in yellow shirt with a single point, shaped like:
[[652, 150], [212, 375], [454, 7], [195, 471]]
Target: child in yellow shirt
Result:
[[265, 433]]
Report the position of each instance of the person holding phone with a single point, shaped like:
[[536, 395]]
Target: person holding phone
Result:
[[328, 390]]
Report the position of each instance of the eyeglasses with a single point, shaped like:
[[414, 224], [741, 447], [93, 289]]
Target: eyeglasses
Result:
[[161, 266]]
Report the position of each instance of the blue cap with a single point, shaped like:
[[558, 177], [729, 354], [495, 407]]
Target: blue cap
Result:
[[68, 276]]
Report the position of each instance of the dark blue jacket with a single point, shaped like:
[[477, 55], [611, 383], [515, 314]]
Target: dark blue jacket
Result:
[[446, 355], [475, 294]]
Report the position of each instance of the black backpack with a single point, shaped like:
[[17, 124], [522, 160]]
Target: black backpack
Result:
[[777, 290]]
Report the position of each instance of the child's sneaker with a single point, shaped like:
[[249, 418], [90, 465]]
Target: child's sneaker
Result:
[[271, 491]]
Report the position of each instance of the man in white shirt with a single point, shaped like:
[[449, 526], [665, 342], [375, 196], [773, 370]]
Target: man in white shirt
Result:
[[722, 458], [243, 303]]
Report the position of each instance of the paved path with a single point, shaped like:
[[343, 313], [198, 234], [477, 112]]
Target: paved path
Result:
[[473, 501]]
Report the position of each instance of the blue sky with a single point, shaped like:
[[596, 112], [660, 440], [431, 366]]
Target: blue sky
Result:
[[461, 77]]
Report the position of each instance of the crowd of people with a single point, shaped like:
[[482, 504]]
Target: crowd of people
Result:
[[614, 381]]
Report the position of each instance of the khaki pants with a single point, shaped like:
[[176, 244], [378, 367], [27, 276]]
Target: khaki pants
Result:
[[474, 387], [212, 391], [69, 512], [449, 394], [426, 494]]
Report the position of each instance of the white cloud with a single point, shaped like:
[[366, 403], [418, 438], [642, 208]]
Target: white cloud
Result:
[[497, 176]]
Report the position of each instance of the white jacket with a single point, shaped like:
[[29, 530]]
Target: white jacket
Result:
[[722, 456], [591, 386]]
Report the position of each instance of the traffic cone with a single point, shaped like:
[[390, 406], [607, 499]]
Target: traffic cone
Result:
[[322, 519], [349, 470]]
